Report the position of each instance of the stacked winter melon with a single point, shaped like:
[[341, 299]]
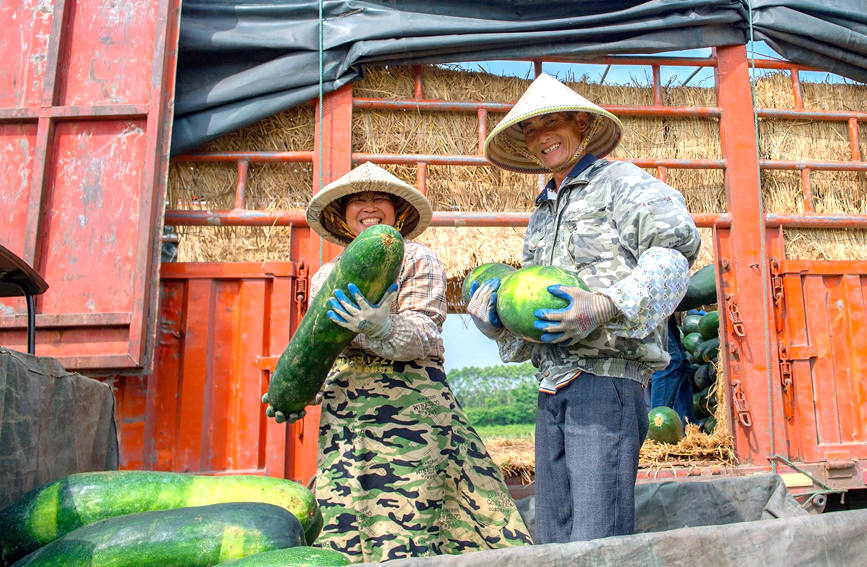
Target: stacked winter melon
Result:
[[163, 519]]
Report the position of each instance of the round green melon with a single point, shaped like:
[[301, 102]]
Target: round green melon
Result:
[[665, 425], [524, 291], [708, 325], [482, 274], [690, 323], [691, 341]]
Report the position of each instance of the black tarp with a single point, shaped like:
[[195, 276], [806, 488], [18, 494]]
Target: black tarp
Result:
[[53, 423], [242, 61], [728, 521]]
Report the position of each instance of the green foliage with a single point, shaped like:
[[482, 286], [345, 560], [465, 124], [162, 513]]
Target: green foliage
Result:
[[510, 431], [496, 395]]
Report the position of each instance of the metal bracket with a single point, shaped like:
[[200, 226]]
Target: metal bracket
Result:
[[786, 382], [301, 286], [734, 316], [741, 406]]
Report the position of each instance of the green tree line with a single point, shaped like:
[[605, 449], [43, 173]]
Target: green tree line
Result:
[[496, 395]]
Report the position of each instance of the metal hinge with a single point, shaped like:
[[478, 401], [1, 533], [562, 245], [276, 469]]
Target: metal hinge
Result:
[[787, 354], [734, 315], [786, 383], [741, 406], [301, 286]]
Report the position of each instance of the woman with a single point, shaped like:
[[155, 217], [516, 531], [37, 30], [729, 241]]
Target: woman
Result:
[[401, 472]]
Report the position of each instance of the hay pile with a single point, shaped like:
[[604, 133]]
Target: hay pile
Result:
[[516, 457], [287, 186]]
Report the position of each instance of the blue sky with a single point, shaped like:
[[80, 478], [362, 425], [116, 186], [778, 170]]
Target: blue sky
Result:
[[466, 346], [640, 74]]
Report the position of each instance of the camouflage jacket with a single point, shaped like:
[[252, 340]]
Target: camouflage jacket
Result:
[[629, 236]]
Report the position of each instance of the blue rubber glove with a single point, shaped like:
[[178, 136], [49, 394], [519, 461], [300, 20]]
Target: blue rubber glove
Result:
[[483, 308], [360, 316], [585, 312]]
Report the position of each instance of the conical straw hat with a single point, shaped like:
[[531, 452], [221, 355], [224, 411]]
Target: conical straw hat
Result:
[[506, 146], [325, 214]]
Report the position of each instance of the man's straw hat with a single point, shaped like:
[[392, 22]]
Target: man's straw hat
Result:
[[506, 146], [325, 213]]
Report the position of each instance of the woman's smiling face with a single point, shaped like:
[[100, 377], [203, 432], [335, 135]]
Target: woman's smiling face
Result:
[[367, 209]]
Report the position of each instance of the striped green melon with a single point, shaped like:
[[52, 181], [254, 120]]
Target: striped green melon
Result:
[[372, 261], [198, 536], [299, 556], [48, 512], [525, 290], [665, 425], [482, 274]]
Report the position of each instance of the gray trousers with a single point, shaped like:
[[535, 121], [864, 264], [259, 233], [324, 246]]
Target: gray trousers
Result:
[[588, 436]]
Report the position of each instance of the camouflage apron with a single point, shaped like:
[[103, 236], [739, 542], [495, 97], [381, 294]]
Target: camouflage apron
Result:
[[401, 473]]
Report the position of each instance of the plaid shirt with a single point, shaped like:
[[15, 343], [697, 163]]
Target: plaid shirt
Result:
[[417, 313]]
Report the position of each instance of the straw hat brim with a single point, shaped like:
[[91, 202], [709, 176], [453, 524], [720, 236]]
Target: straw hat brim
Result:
[[506, 145], [367, 177]]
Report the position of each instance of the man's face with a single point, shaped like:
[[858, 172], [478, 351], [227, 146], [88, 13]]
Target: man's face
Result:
[[554, 138]]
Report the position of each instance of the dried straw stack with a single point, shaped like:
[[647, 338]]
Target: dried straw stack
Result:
[[287, 186]]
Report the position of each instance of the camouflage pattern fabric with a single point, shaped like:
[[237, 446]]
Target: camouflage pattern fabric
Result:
[[401, 473], [604, 221]]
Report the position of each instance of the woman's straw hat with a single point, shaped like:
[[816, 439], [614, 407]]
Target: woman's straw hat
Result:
[[325, 213], [506, 146]]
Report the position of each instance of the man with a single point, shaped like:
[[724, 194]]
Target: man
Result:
[[630, 238]]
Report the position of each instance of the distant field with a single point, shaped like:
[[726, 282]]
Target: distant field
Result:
[[512, 431]]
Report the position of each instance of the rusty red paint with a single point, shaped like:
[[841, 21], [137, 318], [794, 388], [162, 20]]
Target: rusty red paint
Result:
[[95, 148]]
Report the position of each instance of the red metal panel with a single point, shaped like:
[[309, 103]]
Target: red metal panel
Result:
[[204, 411], [130, 395], [824, 333], [85, 117], [748, 354]]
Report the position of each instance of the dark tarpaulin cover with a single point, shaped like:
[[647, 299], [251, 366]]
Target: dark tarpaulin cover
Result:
[[242, 61], [830, 35], [53, 423], [728, 521]]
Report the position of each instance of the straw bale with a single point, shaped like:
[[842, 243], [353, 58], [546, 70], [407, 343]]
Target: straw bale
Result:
[[696, 448], [287, 186], [516, 457]]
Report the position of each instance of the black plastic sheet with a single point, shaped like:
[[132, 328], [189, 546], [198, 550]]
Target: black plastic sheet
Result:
[[53, 423], [242, 61], [729, 521]]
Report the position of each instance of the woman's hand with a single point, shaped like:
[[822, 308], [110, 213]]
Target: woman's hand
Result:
[[585, 312], [483, 308], [360, 316]]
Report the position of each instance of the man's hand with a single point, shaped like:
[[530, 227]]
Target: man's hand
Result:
[[483, 308], [585, 312], [362, 317]]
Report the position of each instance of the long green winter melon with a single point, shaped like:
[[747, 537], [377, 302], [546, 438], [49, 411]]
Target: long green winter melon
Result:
[[372, 262], [301, 556], [54, 509], [198, 536]]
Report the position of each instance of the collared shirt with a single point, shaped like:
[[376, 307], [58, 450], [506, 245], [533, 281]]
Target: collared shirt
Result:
[[629, 236], [417, 313]]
